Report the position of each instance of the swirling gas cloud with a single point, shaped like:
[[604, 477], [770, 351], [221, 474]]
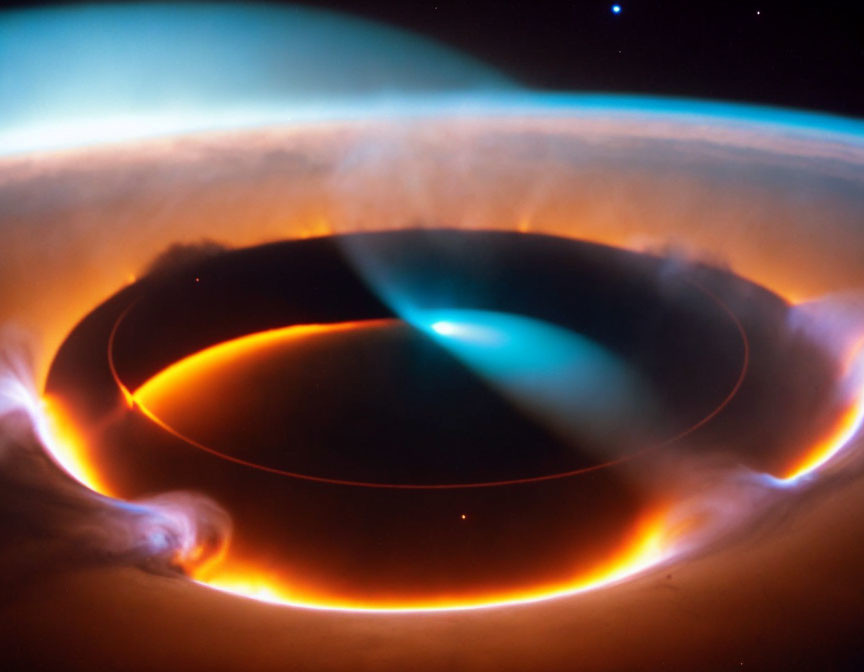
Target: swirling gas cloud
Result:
[[774, 195]]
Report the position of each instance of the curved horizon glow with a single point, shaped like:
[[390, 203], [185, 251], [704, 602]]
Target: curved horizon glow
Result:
[[78, 76], [703, 119], [82, 76]]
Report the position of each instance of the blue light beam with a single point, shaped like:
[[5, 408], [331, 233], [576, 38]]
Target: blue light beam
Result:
[[575, 386]]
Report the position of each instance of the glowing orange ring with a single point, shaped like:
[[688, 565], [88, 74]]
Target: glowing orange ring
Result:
[[134, 403]]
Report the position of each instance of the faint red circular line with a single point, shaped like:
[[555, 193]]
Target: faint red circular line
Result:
[[745, 364]]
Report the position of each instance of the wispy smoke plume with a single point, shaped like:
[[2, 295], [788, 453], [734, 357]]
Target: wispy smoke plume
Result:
[[719, 503], [50, 523]]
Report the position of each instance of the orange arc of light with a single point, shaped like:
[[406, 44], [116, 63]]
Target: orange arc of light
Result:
[[66, 445], [844, 429], [650, 547]]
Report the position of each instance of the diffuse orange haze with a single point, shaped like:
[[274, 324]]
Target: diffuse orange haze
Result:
[[100, 215]]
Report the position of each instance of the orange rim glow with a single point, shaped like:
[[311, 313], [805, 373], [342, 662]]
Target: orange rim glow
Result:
[[65, 444], [844, 430]]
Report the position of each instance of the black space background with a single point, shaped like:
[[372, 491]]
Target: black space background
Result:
[[797, 54]]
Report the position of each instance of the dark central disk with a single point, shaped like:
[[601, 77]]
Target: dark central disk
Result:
[[365, 462]]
